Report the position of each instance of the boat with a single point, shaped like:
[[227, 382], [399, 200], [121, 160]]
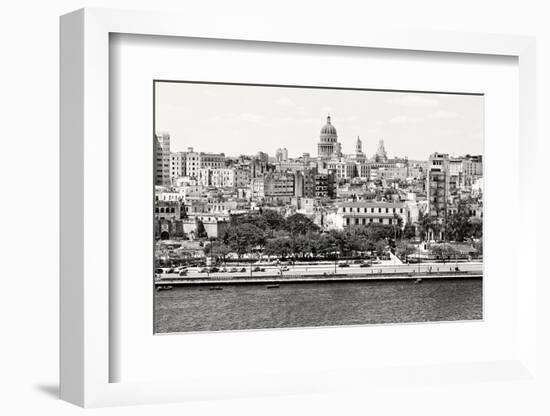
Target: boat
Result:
[[215, 288], [418, 281], [272, 286], [164, 287]]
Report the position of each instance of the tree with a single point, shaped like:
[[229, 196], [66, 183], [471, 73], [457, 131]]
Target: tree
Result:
[[201, 231], [300, 224], [425, 224], [458, 223], [476, 228], [380, 247], [278, 246], [376, 231], [274, 220], [409, 232], [478, 245], [218, 249], [327, 245], [243, 237], [444, 251], [404, 249]]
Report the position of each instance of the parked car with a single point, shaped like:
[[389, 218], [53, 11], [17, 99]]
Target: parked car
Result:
[[364, 265], [242, 270], [214, 270], [224, 270], [183, 273], [343, 265], [233, 270], [203, 270], [285, 269]]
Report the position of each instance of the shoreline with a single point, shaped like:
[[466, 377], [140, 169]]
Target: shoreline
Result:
[[317, 279]]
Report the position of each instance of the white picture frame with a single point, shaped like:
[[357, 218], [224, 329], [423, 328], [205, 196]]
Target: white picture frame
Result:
[[84, 311]]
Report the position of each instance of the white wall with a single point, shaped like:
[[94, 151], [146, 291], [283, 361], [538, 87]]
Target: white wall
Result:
[[29, 100]]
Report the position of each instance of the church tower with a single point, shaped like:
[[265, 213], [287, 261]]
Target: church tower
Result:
[[359, 155], [381, 155]]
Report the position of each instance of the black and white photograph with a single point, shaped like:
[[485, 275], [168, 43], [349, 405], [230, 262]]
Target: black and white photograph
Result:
[[282, 206]]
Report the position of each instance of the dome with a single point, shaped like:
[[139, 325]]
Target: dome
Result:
[[328, 129]]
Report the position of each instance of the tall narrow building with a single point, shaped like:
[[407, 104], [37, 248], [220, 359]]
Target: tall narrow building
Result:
[[381, 155], [438, 189], [161, 150], [359, 155]]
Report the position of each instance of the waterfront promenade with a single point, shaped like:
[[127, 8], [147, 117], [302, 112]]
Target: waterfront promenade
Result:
[[328, 273]]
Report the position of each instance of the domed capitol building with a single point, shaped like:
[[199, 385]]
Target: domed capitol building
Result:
[[328, 146]]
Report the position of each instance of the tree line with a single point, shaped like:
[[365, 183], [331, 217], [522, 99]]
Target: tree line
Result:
[[298, 237]]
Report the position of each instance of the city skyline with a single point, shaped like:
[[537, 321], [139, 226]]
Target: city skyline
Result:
[[270, 212], [237, 119]]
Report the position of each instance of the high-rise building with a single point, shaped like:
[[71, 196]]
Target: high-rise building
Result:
[[177, 165], [438, 188], [161, 157], [192, 163], [285, 154], [472, 168]]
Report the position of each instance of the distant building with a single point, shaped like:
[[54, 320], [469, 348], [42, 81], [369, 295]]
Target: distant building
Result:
[[381, 155], [438, 187], [257, 188], [281, 155], [161, 157], [472, 167], [219, 178], [279, 186], [192, 163], [359, 155], [328, 145], [178, 168], [364, 212], [242, 176]]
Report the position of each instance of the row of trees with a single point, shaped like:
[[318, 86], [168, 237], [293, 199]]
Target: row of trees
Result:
[[458, 226], [298, 237]]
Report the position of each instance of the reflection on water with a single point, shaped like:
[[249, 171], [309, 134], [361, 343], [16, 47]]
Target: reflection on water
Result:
[[254, 306]]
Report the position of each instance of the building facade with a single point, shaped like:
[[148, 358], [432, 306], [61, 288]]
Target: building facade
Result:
[[328, 145], [364, 212], [161, 157]]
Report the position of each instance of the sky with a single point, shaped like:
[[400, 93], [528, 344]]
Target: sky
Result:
[[242, 119]]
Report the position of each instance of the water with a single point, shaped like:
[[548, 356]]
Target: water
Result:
[[253, 306]]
